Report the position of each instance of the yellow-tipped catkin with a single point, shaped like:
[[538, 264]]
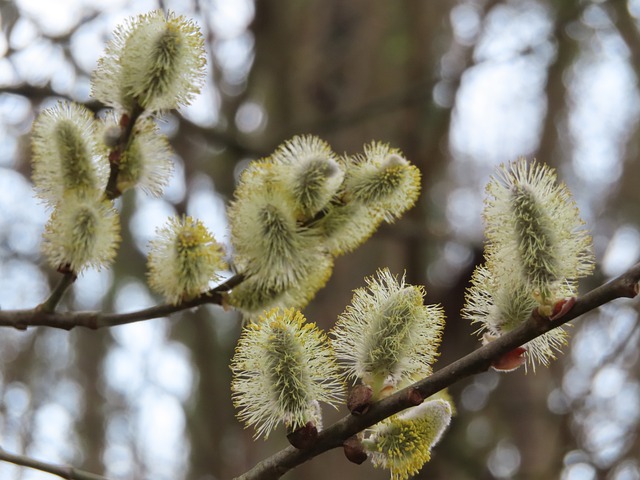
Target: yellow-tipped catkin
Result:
[[533, 225], [83, 231], [537, 248], [64, 153], [154, 62], [184, 259], [387, 336], [282, 368], [383, 180], [268, 240], [403, 442]]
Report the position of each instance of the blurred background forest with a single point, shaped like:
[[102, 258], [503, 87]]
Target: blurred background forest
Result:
[[459, 86]]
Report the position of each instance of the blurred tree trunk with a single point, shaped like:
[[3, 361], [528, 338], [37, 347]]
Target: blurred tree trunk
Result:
[[554, 144], [91, 348]]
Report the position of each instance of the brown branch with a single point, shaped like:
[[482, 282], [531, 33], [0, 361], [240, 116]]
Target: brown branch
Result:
[[68, 473], [36, 317], [49, 305], [471, 364]]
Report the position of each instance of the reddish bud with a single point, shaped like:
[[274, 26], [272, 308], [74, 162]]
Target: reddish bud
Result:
[[354, 451], [66, 270], [359, 399], [562, 307], [414, 396], [124, 120], [304, 437], [511, 360]]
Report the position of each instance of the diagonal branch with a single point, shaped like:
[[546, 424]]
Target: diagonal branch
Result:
[[626, 285], [68, 473]]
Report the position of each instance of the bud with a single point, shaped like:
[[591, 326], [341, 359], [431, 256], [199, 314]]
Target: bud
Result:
[[153, 62], [282, 368], [403, 442], [359, 399], [387, 337], [511, 360], [304, 437], [354, 450], [64, 153], [183, 260], [83, 231]]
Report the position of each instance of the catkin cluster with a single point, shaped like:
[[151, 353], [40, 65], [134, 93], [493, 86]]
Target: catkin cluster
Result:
[[70, 172], [386, 339], [537, 248], [296, 210], [292, 214], [81, 163]]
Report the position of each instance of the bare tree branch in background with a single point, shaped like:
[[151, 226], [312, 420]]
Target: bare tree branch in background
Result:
[[63, 471]]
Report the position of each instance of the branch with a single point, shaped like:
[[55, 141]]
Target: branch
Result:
[[68, 473], [626, 285], [36, 317], [49, 305]]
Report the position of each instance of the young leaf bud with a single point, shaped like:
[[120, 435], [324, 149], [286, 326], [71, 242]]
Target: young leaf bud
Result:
[[83, 231], [403, 442], [64, 153], [153, 62], [282, 368], [354, 450], [383, 180], [534, 224], [511, 360], [183, 260], [310, 171], [387, 335]]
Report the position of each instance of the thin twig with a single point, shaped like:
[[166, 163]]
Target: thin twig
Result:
[[127, 122], [49, 305], [66, 472], [38, 317], [478, 361]]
